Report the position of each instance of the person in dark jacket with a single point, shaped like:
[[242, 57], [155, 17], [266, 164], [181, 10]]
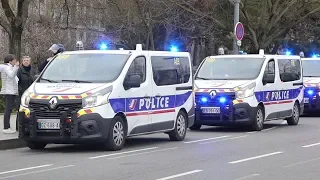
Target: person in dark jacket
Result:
[[55, 49], [25, 77]]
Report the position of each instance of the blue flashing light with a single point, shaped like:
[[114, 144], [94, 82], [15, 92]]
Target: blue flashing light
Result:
[[174, 49], [204, 99], [103, 46], [222, 100], [288, 53], [310, 92], [315, 55]]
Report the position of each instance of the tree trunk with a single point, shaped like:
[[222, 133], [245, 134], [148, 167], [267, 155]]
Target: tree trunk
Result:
[[15, 42]]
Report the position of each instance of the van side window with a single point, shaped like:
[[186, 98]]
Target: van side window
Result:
[[138, 66], [170, 70], [289, 69], [269, 72]]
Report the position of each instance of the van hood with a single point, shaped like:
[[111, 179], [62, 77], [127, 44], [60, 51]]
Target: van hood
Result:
[[67, 88], [311, 80], [221, 84]]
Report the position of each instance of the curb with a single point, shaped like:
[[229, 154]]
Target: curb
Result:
[[11, 144]]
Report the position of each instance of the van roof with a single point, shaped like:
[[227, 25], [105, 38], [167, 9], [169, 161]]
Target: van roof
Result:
[[255, 56], [308, 59], [127, 52]]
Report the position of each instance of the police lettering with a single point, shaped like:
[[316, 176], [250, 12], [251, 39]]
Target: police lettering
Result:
[[154, 103], [280, 95]]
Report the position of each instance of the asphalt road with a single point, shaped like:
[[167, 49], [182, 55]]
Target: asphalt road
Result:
[[280, 152]]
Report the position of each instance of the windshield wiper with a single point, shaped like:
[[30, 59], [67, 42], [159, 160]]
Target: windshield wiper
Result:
[[49, 80], [77, 81], [203, 78], [311, 76]]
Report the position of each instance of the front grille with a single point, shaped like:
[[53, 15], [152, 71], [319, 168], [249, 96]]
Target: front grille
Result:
[[43, 110]]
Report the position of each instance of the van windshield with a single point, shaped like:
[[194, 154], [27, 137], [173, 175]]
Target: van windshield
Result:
[[311, 68], [85, 68], [230, 68]]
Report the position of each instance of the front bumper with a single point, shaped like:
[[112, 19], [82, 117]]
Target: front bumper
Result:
[[88, 128], [311, 103], [241, 113]]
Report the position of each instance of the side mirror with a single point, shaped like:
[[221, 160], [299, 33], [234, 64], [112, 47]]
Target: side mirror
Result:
[[268, 78], [133, 81]]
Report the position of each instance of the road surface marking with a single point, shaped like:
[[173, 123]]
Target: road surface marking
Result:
[[34, 172], [160, 150], [179, 175], [219, 137], [251, 132], [24, 169], [224, 139], [311, 145], [256, 157], [126, 152], [268, 129], [248, 177], [302, 162]]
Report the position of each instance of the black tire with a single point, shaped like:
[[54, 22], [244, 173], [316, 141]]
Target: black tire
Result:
[[117, 129], [258, 119], [195, 127], [36, 145], [180, 128], [294, 119]]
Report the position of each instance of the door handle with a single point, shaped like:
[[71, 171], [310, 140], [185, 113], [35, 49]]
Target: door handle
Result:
[[146, 97], [158, 95]]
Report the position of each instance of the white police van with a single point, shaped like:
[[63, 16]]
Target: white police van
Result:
[[248, 90], [311, 80], [106, 96]]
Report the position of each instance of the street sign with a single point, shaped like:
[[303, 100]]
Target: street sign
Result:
[[239, 31]]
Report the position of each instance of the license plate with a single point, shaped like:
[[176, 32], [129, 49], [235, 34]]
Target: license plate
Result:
[[306, 100], [49, 123], [213, 110]]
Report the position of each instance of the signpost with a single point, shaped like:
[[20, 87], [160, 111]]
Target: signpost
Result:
[[239, 33]]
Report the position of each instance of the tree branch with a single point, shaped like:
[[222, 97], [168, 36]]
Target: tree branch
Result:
[[7, 10], [5, 25]]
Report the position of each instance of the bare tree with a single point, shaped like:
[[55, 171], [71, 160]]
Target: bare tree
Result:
[[13, 23]]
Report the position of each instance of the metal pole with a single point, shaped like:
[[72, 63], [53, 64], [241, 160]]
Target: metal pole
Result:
[[236, 20]]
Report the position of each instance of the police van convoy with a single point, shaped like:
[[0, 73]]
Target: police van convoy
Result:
[[248, 90], [105, 96], [311, 78]]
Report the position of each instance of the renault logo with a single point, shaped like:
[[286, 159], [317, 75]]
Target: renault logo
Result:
[[53, 102], [213, 94]]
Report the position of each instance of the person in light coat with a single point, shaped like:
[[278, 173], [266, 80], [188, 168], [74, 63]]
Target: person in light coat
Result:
[[9, 89]]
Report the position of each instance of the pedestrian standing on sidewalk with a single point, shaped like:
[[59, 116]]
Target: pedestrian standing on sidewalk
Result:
[[9, 89], [26, 76]]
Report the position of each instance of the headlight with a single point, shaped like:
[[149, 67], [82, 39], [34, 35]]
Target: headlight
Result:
[[246, 91], [25, 99], [97, 99]]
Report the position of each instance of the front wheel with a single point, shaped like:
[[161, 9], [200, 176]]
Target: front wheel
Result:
[[195, 127], [36, 145], [180, 129], [117, 135], [258, 120], [294, 119]]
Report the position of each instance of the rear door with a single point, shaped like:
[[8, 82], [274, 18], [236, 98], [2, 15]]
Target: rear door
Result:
[[166, 76], [290, 71]]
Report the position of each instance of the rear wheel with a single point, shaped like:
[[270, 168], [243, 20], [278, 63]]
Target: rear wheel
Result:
[[294, 119], [258, 120], [36, 145], [180, 129], [117, 135]]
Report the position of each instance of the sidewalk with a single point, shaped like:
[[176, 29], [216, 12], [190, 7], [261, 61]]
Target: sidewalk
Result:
[[9, 141]]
